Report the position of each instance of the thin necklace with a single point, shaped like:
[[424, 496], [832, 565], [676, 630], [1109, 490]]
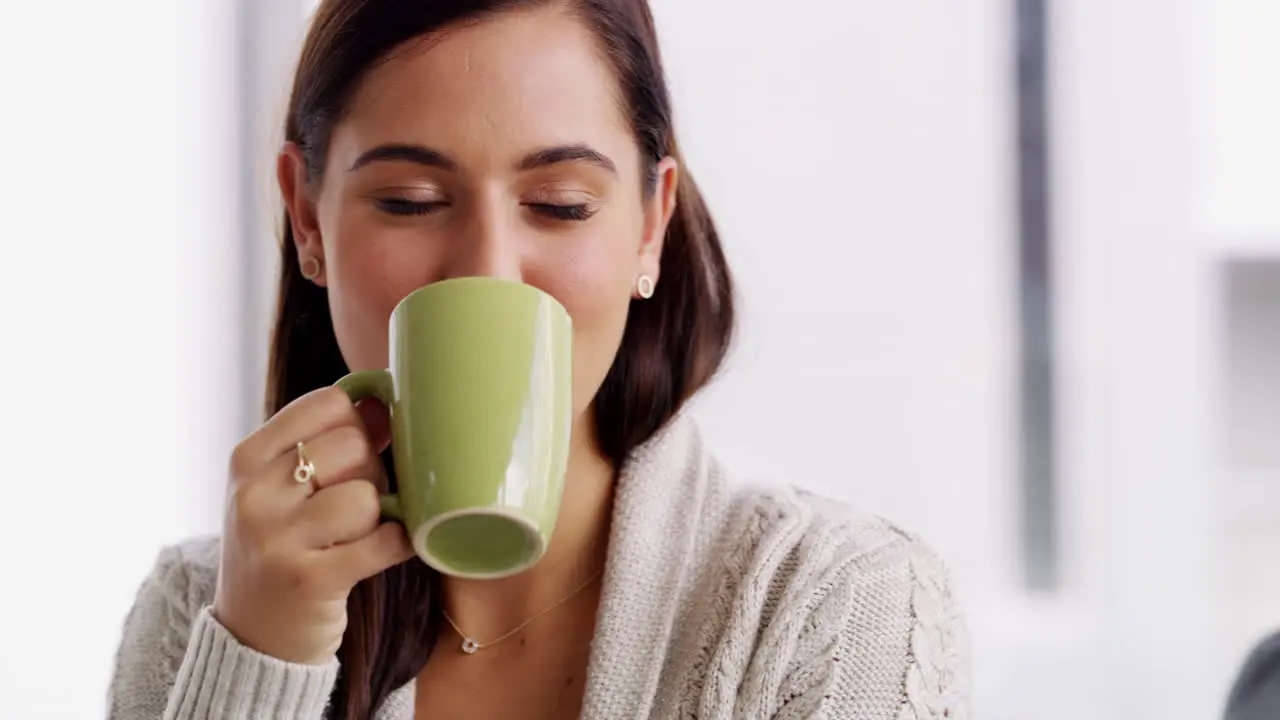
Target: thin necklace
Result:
[[471, 646]]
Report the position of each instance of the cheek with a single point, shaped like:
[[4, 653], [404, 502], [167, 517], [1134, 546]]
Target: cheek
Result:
[[594, 285], [599, 318], [369, 271]]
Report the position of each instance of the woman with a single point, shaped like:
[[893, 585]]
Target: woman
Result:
[[530, 140]]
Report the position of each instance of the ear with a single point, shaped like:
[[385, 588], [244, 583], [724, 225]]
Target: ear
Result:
[[658, 211], [291, 174]]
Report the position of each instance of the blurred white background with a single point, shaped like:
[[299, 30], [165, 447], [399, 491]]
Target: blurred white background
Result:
[[861, 158]]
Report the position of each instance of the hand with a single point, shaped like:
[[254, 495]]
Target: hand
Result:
[[292, 552]]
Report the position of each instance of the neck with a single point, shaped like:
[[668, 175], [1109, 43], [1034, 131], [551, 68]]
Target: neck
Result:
[[486, 609]]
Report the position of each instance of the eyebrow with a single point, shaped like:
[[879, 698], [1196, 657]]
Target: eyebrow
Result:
[[403, 152], [421, 155], [564, 154]]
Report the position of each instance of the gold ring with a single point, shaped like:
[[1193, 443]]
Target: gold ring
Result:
[[305, 472]]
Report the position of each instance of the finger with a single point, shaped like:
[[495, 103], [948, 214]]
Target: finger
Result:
[[340, 514], [307, 417], [385, 547], [377, 423], [337, 455]]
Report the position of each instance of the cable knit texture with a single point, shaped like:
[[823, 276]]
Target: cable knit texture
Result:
[[720, 601]]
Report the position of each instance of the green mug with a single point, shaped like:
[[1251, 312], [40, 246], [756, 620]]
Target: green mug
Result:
[[479, 392]]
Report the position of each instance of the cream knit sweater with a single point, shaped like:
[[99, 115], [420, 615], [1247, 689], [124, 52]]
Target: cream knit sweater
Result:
[[719, 601]]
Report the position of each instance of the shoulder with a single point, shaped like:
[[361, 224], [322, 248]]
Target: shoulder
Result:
[[187, 572], [824, 537], [860, 611], [1256, 691], [180, 584], [811, 516], [196, 557], [158, 627]]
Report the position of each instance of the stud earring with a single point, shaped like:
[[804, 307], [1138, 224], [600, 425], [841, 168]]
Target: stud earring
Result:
[[311, 268], [644, 286]]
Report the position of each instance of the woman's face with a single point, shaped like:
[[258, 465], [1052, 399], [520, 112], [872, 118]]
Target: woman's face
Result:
[[497, 149]]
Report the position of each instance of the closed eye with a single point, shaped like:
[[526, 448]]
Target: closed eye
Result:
[[403, 207], [574, 213]]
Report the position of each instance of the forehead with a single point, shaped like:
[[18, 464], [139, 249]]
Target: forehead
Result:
[[520, 79]]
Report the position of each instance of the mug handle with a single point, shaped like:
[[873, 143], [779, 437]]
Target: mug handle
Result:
[[367, 384]]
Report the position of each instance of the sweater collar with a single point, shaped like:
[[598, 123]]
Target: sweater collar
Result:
[[662, 506], [658, 518]]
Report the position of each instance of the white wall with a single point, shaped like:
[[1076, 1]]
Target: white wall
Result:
[[861, 184], [1240, 219], [1137, 337], [857, 157], [1240, 111], [118, 317]]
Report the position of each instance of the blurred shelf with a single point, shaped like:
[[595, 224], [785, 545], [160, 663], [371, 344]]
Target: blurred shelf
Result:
[[1247, 246]]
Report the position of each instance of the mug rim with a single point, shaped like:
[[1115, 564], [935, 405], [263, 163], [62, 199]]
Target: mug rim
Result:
[[430, 558], [448, 283]]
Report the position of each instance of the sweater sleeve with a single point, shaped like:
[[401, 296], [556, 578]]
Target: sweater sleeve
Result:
[[936, 682], [177, 662], [886, 641]]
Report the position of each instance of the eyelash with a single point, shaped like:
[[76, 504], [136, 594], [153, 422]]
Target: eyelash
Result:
[[569, 213], [408, 208], [401, 207]]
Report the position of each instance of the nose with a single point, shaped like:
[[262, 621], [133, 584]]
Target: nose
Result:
[[488, 247]]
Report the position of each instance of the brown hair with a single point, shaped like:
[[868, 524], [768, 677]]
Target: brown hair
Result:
[[672, 345]]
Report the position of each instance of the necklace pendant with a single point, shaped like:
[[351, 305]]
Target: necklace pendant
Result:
[[470, 646]]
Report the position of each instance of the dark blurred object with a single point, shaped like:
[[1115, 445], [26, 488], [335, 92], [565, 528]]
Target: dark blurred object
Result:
[[1256, 693]]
